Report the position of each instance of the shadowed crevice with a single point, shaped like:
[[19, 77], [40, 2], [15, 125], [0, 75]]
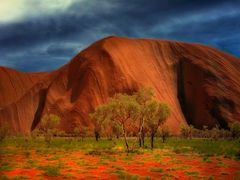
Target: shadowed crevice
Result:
[[216, 112], [38, 114], [181, 92]]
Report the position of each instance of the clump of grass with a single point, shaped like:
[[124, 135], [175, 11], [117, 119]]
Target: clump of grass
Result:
[[192, 173], [157, 157], [206, 159], [182, 150], [20, 178], [69, 175], [94, 152], [185, 167], [208, 178], [117, 167], [6, 166], [52, 158], [155, 169], [31, 163], [175, 161], [81, 162], [222, 164], [167, 176], [128, 158], [124, 175], [146, 178], [51, 170]]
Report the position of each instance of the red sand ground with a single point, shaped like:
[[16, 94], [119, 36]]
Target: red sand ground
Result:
[[78, 165]]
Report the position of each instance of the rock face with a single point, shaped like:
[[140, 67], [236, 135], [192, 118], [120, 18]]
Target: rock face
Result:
[[201, 84]]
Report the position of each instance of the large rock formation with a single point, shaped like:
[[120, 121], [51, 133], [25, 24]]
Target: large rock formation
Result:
[[201, 84]]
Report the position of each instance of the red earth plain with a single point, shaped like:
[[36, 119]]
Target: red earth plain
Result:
[[77, 164]]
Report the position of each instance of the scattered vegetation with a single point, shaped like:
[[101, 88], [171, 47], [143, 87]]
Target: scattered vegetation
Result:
[[235, 129], [216, 133], [126, 111], [48, 126], [51, 170], [125, 120]]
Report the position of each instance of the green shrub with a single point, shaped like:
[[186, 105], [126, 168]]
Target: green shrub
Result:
[[51, 170]]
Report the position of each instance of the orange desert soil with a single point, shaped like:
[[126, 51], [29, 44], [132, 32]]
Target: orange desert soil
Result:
[[156, 165]]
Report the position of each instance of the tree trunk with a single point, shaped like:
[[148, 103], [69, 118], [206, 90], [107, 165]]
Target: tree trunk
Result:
[[143, 137], [163, 139], [140, 133], [125, 138], [96, 135], [152, 138], [140, 139]]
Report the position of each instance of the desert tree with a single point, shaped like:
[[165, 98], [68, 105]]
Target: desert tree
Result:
[[205, 132], [215, 133], [107, 130], [116, 129], [124, 110], [35, 133], [121, 109], [224, 134], [85, 132], [164, 133], [142, 97], [100, 115], [235, 129], [111, 129], [187, 131], [155, 115], [48, 125]]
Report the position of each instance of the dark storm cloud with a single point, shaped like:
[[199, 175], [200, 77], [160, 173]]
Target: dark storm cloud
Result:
[[47, 42]]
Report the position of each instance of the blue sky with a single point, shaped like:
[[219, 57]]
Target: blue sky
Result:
[[44, 35]]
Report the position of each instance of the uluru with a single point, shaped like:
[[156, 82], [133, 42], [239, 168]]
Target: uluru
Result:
[[201, 84]]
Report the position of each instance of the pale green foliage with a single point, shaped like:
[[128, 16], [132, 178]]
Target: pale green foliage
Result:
[[187, 131], [85, 131], [235, 129], [144, 95], [164, 111], [48, 126], [151, 115], [116, 129], [99, 116], [36, 132], [155, 114], [122, 108], [81, 132], [215, 133], [49, 121]]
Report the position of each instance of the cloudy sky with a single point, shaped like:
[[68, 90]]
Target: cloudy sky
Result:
[[41, 35]]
